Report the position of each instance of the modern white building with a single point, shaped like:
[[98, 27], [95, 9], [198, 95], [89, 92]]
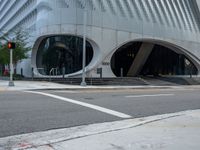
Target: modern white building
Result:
[[124, 37]]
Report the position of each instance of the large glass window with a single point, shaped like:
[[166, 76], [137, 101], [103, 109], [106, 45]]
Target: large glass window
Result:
[[164, 61], [161, 61], [63, 53]]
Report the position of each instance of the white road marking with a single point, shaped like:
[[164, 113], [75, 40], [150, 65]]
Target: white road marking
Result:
[[101, 109], [154, 95]]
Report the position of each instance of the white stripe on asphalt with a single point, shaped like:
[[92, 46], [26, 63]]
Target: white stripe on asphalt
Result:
[[154, 95], [101, 109]]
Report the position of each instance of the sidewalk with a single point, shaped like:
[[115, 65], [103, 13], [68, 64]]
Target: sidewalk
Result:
[[40, 85], [178, 131]]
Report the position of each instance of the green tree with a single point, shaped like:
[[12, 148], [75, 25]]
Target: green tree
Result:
[[22, 47], [4, 55]]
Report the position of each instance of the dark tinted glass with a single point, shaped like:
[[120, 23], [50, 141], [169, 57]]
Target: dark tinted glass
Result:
[[63, 53]]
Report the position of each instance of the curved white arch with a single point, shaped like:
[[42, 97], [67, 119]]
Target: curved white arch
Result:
[[94, 62], [176, 48]]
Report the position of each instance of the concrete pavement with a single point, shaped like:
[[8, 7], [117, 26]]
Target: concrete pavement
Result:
[[167, 132]]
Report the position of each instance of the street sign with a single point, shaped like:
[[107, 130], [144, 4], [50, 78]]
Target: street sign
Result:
[[99, 71]]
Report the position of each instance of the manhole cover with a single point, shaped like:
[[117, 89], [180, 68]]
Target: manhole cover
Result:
[[89, 98]]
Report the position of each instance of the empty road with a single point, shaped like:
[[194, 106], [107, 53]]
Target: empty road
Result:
[[25, 112]]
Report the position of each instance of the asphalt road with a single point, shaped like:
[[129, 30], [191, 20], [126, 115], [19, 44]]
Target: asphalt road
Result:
[[22, 112]]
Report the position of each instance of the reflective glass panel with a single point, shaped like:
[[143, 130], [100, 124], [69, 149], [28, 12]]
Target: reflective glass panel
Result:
[[58, 54]]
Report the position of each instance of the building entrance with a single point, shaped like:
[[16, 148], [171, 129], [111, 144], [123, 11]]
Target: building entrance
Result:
[[149, 59]]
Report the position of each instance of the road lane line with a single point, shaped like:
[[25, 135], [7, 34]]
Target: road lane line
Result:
[[95, 107], [153, 95]]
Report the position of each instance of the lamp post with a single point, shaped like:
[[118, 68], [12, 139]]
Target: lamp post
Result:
[[83, 83]]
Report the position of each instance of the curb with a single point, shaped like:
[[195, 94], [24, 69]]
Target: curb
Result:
[[92, 88], [116, 88], [2, 89], [106, 88]]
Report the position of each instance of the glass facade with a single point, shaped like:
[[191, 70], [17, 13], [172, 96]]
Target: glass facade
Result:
[[164, 61], [62, 54], [124, 57], [161, 61]]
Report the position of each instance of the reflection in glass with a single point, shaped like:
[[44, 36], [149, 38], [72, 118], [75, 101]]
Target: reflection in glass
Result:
[[64, 53]]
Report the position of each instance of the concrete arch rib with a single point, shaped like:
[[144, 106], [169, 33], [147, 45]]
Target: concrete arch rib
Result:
[[139, 60]]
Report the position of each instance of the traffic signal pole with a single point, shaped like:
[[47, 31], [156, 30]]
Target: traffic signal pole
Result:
[[11, 46], [11, 82]]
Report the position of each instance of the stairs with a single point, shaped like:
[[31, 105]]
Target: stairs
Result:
[[172, 80], [96, 81], [132, 81]]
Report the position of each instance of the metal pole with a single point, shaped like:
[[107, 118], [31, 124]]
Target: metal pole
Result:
[[122, 72], [11, 83], [83, 83], [32, 73], [63, 72], [21, 72], [190, 71]]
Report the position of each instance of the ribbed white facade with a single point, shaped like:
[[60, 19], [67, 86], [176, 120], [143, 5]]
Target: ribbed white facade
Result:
[[111, 24], [16, 14]]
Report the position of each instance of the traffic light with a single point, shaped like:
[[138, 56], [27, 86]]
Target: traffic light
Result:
[[11, 45]]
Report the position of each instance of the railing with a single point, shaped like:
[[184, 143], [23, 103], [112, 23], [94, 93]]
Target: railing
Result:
[[53, 72]]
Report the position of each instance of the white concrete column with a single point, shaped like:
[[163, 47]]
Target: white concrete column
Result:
[[140, 60], [198, 3]]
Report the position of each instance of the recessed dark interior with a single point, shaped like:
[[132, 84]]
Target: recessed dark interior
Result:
[[161, 61], [63, 53]]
